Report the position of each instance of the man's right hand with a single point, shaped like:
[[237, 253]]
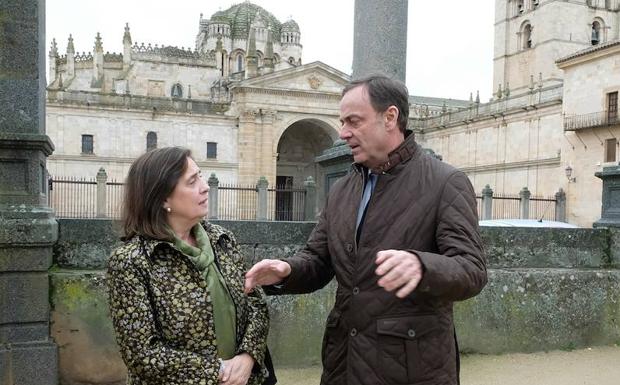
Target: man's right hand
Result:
[[266, 272]]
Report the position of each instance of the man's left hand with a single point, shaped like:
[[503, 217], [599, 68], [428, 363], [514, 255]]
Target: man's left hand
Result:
[[399, 270]]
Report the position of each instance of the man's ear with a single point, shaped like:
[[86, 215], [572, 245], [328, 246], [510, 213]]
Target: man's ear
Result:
[[390, 117]]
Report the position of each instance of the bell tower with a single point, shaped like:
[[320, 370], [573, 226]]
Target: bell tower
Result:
[[530, 35]]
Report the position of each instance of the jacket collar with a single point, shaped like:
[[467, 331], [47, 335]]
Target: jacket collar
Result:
[[149, 244], [408, 149]]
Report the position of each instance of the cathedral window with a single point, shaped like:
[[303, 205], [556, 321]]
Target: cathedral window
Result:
[[211, 150], [291, 60], [520, 7], [239, 62], [151, 141], [526, 36], [87, 144], [176, 91], [597, 33]]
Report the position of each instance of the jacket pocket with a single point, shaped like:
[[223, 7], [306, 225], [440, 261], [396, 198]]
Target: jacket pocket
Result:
[[332, 345], [411, 348]]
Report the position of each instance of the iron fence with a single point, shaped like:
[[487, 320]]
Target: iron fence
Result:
[[72, 197], [506, 206], [237, 202], [286, 204]]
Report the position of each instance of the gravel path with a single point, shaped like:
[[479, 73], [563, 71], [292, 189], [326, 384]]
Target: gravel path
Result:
[[592, 366]]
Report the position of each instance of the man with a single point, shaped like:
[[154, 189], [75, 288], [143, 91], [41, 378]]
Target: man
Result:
[[400, 233]]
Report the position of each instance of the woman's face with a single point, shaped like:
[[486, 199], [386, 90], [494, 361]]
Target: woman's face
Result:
[[189, 200]]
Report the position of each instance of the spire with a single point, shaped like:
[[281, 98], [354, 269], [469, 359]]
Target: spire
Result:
[[251, 66], [54, 48], [127, 35], [70, 47], [268, 60], [98, 44], [444, 107], [477, 96]]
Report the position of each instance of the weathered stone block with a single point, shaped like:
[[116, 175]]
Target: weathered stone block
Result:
[[25, 258], [24, 297], [545, 247], [34, 363], [24, 332]]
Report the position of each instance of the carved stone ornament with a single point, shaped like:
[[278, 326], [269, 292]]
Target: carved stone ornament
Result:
[[314, 82]]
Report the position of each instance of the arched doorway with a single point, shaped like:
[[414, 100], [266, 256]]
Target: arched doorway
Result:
[[298, 146]]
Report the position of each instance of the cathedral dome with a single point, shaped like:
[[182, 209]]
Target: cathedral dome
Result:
[[290, 26], [240, 16]]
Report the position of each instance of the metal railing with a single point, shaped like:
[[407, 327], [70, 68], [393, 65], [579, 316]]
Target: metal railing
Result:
[[72, 197], [521, 206], [591, 120]]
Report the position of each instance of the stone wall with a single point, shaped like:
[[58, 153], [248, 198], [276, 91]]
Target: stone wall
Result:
[[548, 289]]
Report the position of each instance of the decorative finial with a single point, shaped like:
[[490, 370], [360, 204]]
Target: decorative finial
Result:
[[540, 81], [127, 35], [98, 44], [531, 82], [54, 48], [499, 91], [507, 90], [70, 47], [477, 96]]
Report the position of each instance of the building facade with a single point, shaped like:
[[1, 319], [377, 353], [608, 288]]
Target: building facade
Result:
[[553, 60], [246, 105]]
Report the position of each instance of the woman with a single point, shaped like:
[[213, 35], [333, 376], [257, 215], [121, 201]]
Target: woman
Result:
[[176, 284]]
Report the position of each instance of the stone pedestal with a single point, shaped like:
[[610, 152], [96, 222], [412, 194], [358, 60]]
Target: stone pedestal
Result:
[[27, 226], [610, 211], [380, 38], [336, 162]]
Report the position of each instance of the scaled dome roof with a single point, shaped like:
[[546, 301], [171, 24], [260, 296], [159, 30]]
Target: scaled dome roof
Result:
[[240, 16], [290, 26]]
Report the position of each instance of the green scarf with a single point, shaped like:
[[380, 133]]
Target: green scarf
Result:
[[223, 306]]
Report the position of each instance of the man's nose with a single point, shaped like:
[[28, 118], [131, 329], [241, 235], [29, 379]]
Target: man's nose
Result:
[[344, 133]]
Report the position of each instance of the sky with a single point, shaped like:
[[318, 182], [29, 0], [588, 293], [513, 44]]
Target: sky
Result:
[[449, 42]]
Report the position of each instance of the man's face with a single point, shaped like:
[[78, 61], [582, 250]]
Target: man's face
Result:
[[363, 128]]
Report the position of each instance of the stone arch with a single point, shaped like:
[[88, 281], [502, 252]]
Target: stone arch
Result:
[[297, 145], [598, 30]]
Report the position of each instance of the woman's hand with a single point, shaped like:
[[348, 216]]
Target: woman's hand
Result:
[[237, 370]]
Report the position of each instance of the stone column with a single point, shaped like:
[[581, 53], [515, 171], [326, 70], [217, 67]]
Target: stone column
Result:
[[560, 206], [380, 38], [261, 199], [487, 203], [610, 211], [27, 226], [310, 200], [524, 204], [213, 192], [102, 179]]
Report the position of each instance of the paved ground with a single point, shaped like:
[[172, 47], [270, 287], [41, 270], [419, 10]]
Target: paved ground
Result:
[[593, 366]]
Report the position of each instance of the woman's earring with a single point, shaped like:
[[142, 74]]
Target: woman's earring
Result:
[[168, 209]]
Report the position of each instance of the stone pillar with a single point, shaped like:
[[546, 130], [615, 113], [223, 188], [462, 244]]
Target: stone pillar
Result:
[[261, 199], [487, 203], [610, 210], [560, 206], [310, 200], [28, 229], [102, 179], [524, 204], [213, 190], [380, 38]]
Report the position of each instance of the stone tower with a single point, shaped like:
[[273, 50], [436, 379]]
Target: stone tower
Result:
[[530, 35]]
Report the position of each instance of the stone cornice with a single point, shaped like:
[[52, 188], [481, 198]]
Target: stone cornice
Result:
[[288, 92], [547, 162], [21, 141], [125, 160]]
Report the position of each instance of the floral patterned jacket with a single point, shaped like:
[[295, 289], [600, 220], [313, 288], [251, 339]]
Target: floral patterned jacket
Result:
[[162, 311]]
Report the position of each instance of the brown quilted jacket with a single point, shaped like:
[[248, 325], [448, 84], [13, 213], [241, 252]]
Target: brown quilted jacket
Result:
[[419, 204]]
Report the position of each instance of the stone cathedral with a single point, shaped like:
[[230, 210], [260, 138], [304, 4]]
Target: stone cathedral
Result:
[[247, 105]]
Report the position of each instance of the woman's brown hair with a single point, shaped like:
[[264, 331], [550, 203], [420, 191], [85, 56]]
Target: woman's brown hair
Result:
[[150, 181]]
